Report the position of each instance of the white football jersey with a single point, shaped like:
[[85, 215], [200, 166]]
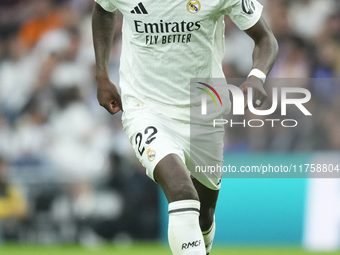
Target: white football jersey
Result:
[[165, 43]]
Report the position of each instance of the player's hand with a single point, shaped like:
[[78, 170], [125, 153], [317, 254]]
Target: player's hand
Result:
[[259, 94], [108, 95]]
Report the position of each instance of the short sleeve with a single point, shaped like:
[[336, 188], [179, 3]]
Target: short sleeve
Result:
[[244, 13], [106, 5]]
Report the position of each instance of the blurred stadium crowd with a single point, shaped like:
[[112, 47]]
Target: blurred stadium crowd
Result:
[[72, 174]]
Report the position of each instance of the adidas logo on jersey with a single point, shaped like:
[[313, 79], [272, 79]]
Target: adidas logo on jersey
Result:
[[248, 6], [139, 9]]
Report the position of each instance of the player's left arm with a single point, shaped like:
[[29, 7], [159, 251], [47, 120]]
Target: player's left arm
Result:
[[264, 56]]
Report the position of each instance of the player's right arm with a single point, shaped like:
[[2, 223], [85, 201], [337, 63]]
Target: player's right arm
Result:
[[103, 24]]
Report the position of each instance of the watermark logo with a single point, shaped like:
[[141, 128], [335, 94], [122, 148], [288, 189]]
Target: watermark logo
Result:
[[281, 98], [239, 99], [204, 97]]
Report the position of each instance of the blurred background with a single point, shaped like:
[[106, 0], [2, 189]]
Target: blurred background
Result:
[[68, 173]]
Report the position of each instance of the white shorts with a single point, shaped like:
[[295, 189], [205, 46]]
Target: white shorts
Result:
[[154, 136]]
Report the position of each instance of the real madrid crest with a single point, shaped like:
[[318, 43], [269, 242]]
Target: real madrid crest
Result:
[[194, 6], [151, 154]]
